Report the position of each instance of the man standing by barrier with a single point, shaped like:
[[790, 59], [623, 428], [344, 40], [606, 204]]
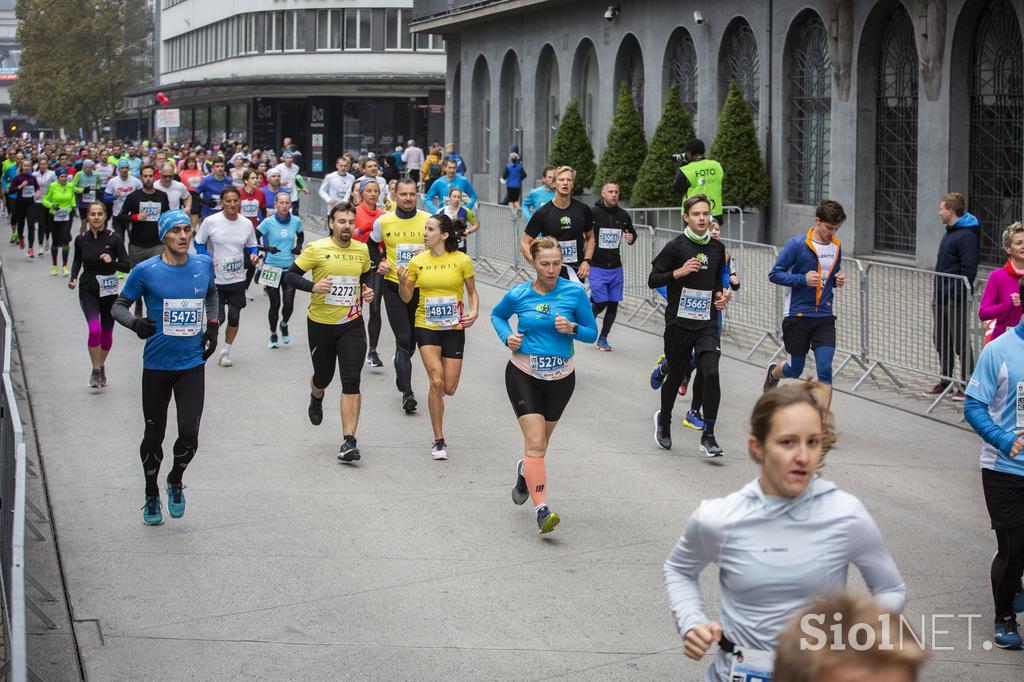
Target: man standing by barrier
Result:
[[700, 176], [958, 255], [568, 220], [611, 225], [809, 268]]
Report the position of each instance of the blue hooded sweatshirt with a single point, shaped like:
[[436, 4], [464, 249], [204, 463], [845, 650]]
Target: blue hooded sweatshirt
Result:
[[958, 255]]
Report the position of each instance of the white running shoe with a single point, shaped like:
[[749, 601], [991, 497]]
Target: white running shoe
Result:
[[440, 449], [225, 360]]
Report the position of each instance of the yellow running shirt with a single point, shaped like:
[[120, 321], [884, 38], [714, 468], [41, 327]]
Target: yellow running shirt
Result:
[[440, 279], [402, 237], [344, 266]]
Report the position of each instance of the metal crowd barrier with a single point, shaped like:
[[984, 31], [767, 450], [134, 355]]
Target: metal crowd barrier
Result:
[[12, 522]]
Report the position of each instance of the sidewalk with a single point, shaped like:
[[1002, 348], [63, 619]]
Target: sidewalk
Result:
[[289, 565]]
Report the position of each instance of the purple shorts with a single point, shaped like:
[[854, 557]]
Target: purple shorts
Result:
[[605, 284]]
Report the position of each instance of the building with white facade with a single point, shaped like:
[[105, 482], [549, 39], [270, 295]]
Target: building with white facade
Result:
[[333, 75]]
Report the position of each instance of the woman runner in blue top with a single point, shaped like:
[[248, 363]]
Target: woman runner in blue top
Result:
[[551, 313]]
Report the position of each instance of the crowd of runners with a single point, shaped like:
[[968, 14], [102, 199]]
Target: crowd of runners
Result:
[[169, 243]]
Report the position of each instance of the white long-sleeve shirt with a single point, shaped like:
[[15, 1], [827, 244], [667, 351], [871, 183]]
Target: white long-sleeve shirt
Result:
[[774, 554], [336, 187], [288, 178]]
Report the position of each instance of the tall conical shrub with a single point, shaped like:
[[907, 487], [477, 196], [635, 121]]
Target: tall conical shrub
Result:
[[572, 148], [746, 182], [626, 147], [654, 182]]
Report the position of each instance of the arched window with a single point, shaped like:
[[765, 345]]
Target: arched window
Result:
[[547, 88], [809, 110], [629, 67], [896, 136], [997, 125], [586, 87], [740, 62], [681, 68], [511, 113], [482, 116]]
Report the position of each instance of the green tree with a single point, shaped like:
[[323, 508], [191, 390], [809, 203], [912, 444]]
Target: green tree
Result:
[[77, 59], [736, 147], [626, 147], [572, 148], [654, 182]]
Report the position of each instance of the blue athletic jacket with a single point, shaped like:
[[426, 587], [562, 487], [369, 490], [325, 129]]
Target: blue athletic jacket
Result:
[[798, 258]]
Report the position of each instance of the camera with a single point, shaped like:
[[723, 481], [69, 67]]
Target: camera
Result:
[[679, 158], [611, 13], [698, 17]]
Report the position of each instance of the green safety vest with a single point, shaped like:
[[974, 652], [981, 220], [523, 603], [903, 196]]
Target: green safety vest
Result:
[[705, 177]]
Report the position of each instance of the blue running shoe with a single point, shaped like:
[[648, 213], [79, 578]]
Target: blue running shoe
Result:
[[1007, 634], [694, 420], [151, 514], [175, 500], [546, 520], [602, 344], [285, 339], [520, 493], [659, 374]]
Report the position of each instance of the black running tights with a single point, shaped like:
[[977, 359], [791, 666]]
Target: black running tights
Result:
[[188, 388]]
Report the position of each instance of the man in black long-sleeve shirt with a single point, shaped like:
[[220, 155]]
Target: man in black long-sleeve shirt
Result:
[[691, 267], [958, 255], [139, 214], [612, 225]]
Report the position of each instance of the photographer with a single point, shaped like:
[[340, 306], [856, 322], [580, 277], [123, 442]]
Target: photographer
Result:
[[699, 176]]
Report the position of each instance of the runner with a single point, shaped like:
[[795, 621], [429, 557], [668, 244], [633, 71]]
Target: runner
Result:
[[26, 187], [86, 185], [11, 168], [210, 189], [366, 214], [401, 233], [281, 235], [441, 272], [570, 222], [41, 216], [785, 537], [612, 225], [337, 185], [228, 239], [691, 266], [254, 209], [99, 256], [119, 187], [457, 212], [994, 407], [59, 202], [538, 196], [540, 376], [443, 186], [175, 353], [340, 266], [178, 196], [512, 176], [140, 211], [273, 188], [289, 174], [810, 267], [1000, 307], [371, 171], [191, 175]]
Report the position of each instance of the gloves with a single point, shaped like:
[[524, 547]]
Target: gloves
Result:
[[297, 251], [211, 202], [210, 340], [273, 249], [143, 327]]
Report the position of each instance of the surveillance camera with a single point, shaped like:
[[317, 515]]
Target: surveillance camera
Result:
[[698, 17], [611, 13]]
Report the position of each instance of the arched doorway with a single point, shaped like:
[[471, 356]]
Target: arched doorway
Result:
[[681, 68], [548, 111], [896, 136], [511, 114], [739, 61], [586, 87], [481, 116], [629, 67], [808, 69]]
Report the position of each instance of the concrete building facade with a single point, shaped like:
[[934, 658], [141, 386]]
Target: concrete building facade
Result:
[[884, 105], [333, 75]]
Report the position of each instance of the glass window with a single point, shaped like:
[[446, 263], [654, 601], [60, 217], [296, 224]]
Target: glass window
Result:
[[323, 29], [238, 121], [357, 29], [397, 30], [429, 43], [202, 133], [809, 114], [218, 123], [294, 36]]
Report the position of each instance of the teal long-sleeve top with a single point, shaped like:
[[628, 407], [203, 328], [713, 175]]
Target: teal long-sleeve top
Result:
[[536, 312]]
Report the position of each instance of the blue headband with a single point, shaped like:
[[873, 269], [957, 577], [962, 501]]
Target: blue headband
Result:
[[171, 218]]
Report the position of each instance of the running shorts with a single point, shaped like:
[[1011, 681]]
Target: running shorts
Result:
[[530, 395], [1004, 497], [344, 344], [801, 334], [451, 341], [606, 284]]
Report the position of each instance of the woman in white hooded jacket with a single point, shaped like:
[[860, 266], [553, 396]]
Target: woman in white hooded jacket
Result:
[[785, 537]]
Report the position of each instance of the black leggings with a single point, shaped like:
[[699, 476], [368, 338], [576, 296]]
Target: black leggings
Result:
[[401, 317], [679, 345], [23, 209], [283, 293], [60, 241], [188, 387], [39, 216], [373, 326], [344, 344], [530, 395], [1007, 568], [611, 309]]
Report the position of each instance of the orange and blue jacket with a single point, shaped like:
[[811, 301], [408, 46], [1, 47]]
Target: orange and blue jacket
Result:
[[797, 258]]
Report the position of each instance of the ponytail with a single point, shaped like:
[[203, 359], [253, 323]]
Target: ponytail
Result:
[[455, 229]]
